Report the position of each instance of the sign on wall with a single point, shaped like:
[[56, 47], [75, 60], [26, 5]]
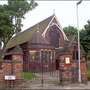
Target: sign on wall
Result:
[[10, 77], [67, 60]]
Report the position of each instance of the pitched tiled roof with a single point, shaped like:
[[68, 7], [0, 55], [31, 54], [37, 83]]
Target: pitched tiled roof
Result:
[[38, 41], [15, 50], [25, 36]]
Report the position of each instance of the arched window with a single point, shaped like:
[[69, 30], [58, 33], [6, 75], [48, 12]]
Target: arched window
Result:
[[54, 36], [75, 55]]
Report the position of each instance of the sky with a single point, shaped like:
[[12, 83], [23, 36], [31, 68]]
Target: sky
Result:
[[65, 12]]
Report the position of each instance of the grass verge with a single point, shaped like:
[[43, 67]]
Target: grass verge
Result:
[[28, 75], [88, 74]]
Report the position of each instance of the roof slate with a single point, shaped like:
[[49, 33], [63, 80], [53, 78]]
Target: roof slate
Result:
[[38, 38], [26, 35], [15, 50], [38, 41]]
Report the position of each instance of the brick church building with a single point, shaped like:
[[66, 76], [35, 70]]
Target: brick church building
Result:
[[46, 46]]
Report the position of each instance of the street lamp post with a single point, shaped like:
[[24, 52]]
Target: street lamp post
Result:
[[79, 70]]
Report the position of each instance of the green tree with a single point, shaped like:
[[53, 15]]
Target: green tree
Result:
[[11, 16], [71, 32], [85, 37], [6, 27], [17, 10]]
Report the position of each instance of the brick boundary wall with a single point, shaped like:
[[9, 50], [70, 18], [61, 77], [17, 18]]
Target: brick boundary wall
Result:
[[11, 67], [69, 72]]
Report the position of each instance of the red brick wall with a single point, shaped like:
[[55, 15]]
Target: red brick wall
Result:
[[70, 71], [11, 67], [18, 66], [1, 76]]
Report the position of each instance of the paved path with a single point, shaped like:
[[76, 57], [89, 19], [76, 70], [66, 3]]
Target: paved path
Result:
[[50, 82]]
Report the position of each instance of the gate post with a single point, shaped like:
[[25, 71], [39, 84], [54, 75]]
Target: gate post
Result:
[[65, 69]]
